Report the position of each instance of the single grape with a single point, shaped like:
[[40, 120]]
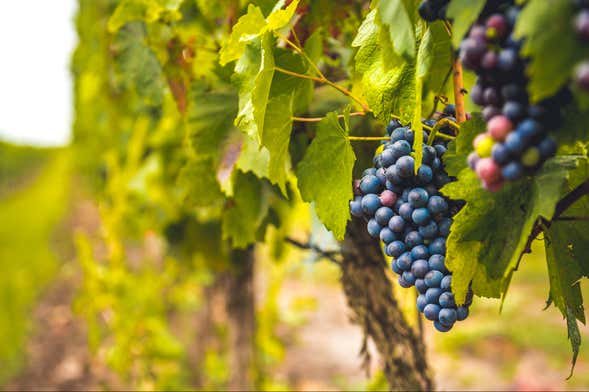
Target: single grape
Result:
[[356, 207], [461, 313], [513, 171], [383, 215], [420, 252], [387, 236], [395, 267], [447, 316], [405, 211], [369, 172], [420, 286], [531, 157], [370, 203], [370, 184], [395, 248], [433, 278], [446, 300], [387, 158], [421, 302], [401, 148], [405, 166], [437, 205], [547, 148], [582, 76], [418, 197], [446, 282], [408, 277], [425, 174], [404, 261], [432, 294], [441, 327], [472, 159], [403, 283], [514, 110], [431, 311], [373, 228], [436, 263], [499, 127], [388, 198], [500, 154], [421, 216], [438, 246], [419, 268], [488, 170], [413, 239]]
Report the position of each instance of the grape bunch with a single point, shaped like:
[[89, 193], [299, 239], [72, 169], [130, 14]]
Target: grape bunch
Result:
[[406, 211], [516, 142], [432, 10], [581, 25]]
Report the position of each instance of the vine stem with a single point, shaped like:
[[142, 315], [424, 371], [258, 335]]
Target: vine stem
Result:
[[368, 138], [320, 76], [459, 91], [330, 255], [542, 224], [317, 119]]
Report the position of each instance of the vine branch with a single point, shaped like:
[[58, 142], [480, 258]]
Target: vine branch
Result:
[[330, 255], [459, 91], [542, 224]]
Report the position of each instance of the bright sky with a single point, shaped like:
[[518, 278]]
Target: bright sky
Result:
[[36, 41]]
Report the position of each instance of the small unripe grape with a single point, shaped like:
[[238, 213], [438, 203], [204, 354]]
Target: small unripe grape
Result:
[[388, 198], [531, 157], [582, 25], [484, 146], [488, 170], [493, 187], [472, 160], [499, 127]]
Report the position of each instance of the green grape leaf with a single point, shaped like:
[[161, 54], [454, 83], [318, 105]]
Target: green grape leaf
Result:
[[245, 211], [463, 13], [574, 336], [276, 137], [440, 55], [253, 78], [325, 174], [247, 28], [398, 17], [574, 129], [137, 64], [210, 118], [147, 11], [490, 232], [387, 88], [564, 267], [546, 26], [253, 158], [198, 181], [253, 25]]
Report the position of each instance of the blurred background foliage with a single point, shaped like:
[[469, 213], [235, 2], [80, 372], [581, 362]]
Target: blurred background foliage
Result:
[[118, 261]]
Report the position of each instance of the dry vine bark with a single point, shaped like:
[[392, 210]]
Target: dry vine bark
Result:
[[370, 296]]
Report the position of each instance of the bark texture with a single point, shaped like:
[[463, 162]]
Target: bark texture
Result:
[[241, 320], [370, 296]]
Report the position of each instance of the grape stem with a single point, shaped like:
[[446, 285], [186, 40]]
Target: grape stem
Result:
[[329, 255], [542, 224], [442, 123], [317, 119], [320, 78], [368, 138]]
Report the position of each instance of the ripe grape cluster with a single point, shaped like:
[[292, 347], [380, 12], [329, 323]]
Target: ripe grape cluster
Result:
[[432, 10], [406, 211], [516, 142], [581, 25]]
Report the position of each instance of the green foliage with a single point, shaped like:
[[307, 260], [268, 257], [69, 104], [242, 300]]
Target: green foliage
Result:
[[463, 13], [548, 29]]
